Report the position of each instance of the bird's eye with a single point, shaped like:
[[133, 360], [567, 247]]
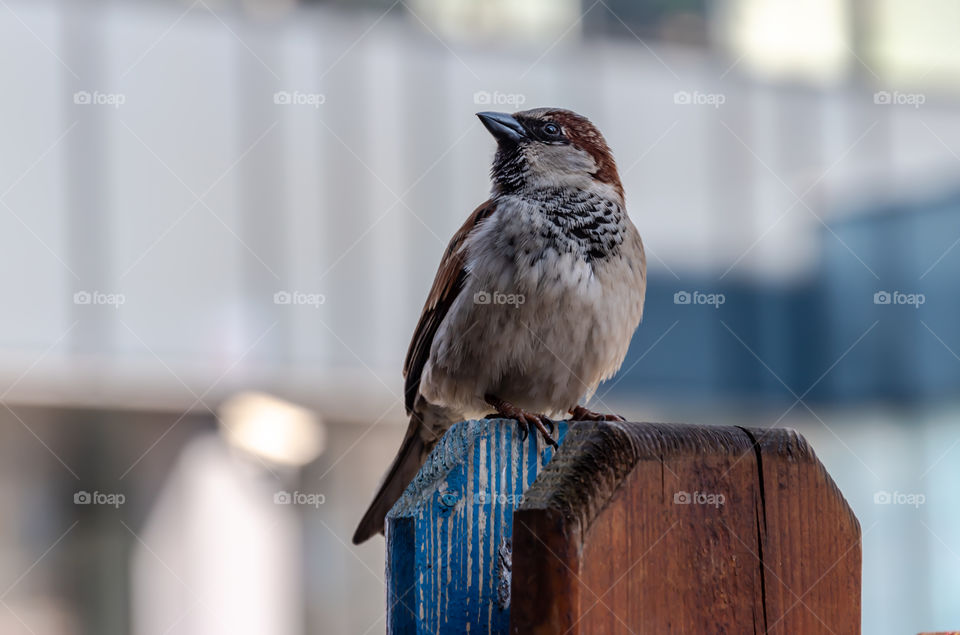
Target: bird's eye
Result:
[[552, 129]]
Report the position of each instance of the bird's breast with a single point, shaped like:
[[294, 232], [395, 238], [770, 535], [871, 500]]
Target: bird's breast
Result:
[[547, 311], [556, 238]]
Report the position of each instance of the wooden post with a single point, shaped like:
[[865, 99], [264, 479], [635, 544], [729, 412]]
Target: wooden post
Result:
[[449, 537], [654, 528], [631, 528]]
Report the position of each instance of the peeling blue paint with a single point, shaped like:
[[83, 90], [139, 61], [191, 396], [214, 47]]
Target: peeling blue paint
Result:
[[448, 535]]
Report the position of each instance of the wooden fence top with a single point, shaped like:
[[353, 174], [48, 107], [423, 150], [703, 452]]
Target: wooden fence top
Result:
[[599, 455], [665, 528], [627, 528]]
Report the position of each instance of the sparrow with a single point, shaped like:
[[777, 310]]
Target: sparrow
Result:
[[536, 298]]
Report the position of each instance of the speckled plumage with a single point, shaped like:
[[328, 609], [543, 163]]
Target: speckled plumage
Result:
[[578, 280], [537, 296]]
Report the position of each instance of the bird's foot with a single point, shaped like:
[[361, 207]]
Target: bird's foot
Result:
[[580, 413], [524, 419]]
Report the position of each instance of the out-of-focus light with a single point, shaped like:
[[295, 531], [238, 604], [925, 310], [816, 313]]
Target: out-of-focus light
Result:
[[540, 20], [914, 44], [807, 39], [273, 429], [216, 555]]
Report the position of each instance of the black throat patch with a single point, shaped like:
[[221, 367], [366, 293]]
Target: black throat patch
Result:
[[580, 221]]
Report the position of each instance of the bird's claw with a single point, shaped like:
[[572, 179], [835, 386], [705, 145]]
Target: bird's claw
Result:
[[525, 420], [524, 429], [550, 423], [579, 413]]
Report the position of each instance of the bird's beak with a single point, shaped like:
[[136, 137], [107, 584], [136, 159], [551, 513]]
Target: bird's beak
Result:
[[502, 126]]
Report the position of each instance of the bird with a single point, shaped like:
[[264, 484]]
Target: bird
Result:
[[536, 298]]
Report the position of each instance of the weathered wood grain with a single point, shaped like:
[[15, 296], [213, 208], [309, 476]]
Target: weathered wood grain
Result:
[[658, 528], [449, 543]]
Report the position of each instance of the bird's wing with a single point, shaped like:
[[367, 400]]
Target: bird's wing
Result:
[[446, 287]]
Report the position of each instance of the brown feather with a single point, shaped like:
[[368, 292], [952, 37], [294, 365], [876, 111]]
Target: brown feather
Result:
[[583, 134], [413, 452], [446, 287]]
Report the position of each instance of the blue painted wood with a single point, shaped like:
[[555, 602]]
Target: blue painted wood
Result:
[[448, 537]]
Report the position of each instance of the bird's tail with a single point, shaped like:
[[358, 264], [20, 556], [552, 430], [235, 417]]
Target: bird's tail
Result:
[[413, 452]]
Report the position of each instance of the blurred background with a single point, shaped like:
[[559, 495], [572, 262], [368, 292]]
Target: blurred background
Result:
[[220, 220]]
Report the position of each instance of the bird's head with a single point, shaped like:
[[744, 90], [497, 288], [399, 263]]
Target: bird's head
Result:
[[549, 147]]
